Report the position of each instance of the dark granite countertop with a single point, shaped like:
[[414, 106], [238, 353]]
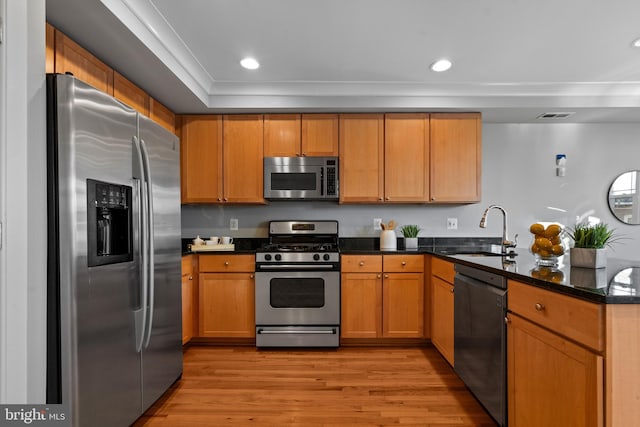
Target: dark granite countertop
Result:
[[617, 283]]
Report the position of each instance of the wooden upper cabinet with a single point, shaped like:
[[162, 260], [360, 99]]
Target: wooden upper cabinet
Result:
[[293, 135], [243, 158], [127, 92], [162, 115], [72, 58], [406, 158], [320, 135], [201, 159], [456, 145], [361, 158], [282, 135], [51, 48]]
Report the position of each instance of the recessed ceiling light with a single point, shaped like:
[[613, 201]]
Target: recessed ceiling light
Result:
[[441, 65], [250, 63], [636, 42]]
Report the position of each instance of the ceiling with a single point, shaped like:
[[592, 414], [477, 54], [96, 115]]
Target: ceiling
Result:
[[513, 60]]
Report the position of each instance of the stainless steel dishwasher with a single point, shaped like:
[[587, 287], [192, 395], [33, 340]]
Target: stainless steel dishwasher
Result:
[[480, 307]]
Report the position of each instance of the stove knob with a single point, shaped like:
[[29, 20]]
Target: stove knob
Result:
[[278, 257], [326, 257], [267, 257], [316, 257]]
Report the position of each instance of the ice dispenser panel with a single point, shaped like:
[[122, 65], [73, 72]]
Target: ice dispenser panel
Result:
[[109, 223]]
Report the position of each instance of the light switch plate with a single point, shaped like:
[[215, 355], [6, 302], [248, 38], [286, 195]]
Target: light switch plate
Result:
[[233, 224], [376, 223]]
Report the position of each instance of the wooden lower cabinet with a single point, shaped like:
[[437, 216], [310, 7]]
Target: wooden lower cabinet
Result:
[[382, 305], [551, 380], [227, 306], [442, 317], [227, 296], [187, 308]]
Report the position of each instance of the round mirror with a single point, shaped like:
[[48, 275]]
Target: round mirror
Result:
[[624, 200]]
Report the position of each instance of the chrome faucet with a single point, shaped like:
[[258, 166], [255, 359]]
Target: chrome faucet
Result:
[[506, 243]]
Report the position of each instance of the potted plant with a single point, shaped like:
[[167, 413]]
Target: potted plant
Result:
[[590, 241], [410, 233]]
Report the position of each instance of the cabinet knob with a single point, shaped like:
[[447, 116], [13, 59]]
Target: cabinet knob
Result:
[[226, 263], [251, 276], [507, 320], [219, 199], [539, 306], [433, 198], [226, 200], [297, 154], [379, 276], [451, 290], [404, 263], [380, 198], [361, 263], [387, 198], [386, 276], [190, 277]]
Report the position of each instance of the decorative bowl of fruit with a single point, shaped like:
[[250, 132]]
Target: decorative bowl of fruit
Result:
[[547, 245]]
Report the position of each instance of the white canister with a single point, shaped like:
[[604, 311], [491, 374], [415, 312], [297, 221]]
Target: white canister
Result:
[[388, 241]]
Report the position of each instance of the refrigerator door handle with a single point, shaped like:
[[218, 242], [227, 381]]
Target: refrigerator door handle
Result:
[[138, 175], [150, 243]]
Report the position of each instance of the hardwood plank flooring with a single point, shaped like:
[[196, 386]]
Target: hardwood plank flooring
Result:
[[349, 386]]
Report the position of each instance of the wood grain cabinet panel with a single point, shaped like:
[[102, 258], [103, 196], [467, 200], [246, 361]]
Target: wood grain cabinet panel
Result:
[[320, 135], [406, 158], [442, 317], [201, 159], [50, 42], [162, 115], [72, 58], [377, 304], [456, 146], [243, 159], [361, 158], [282, 135], [551, 380], [127, 92], [227, 305]]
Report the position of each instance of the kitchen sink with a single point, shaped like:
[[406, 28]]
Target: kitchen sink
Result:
[[472, 253]]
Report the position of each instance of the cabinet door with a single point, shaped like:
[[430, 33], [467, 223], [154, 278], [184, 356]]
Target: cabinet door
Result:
[[243, 154], [187, 308], [227, 305], [442, 317], [361, 305], [406, 158], [403, 305], [130, 94], [72, 58], [456, 141], [362, 158], [282, 135], [162, 115], [201, 159], [551, 380], [320, 135]]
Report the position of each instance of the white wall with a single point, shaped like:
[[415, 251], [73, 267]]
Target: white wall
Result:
[[22, 202], [518, 173]]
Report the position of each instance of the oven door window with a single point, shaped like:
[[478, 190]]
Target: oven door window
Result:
[[297, 292]]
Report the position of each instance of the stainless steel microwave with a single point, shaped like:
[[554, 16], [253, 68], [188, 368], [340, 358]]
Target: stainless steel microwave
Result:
[[312, 178]]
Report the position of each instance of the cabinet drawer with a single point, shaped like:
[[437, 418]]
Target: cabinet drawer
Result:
[[576, 319], [187, 265], [443, 269], [361, 263], [403, 263], [227, 263]]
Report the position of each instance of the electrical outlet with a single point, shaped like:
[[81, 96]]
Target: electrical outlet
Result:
[[233, 224], [452, 223], [376, 223]]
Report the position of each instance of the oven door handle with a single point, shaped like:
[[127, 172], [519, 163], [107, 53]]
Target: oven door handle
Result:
[[322, 331], [296, 266]]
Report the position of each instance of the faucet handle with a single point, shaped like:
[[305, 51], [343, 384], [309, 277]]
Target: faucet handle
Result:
[[510, 244]]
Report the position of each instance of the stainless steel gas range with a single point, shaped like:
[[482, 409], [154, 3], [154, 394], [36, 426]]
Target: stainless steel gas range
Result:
[[298, 285]]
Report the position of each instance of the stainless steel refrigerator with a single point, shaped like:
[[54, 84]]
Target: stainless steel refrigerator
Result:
[[114, 256]]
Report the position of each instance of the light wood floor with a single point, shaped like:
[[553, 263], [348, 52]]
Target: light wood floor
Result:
[[344, 387]]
